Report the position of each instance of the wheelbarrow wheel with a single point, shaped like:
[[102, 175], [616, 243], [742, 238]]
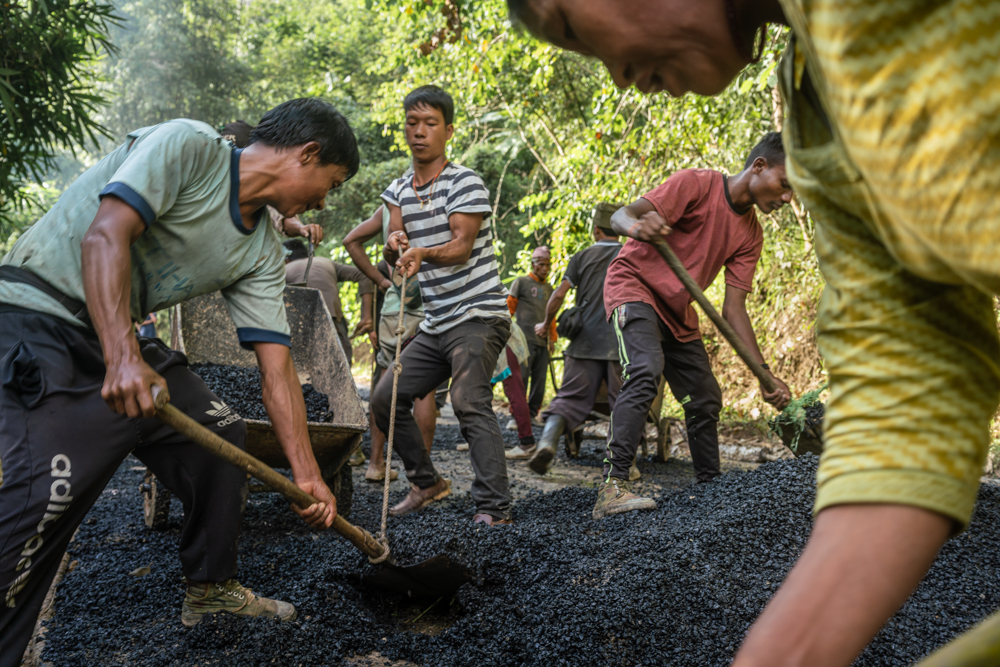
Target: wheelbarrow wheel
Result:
[[155, 502], [341, 483]]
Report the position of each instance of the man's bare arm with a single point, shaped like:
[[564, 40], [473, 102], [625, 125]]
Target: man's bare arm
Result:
[[354, 244], [107, 286], [734, 310], [464, 229], [639, 220], [286, 408], [552, 308], [396, 241]]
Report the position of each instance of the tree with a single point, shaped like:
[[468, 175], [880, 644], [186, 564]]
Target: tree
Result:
[[48, 50]]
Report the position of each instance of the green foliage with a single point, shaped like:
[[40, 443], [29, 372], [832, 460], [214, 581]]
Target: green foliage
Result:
[[48, 49], [794, 415]]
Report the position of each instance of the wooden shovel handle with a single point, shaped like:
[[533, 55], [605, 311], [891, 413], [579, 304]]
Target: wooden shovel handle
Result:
[[230, 453], [727, 330]]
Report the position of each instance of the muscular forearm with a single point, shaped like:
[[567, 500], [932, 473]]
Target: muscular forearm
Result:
[[552, 308], [107, 283], [283, 401], [360, 258], [456, 251], [367, 312], [739, 319], [623, 221]]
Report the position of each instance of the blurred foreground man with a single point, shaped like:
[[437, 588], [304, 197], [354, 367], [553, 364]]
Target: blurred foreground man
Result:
[[172, 213], [893, 145]]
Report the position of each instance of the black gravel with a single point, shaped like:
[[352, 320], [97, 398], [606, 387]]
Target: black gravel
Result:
[[239, 387], [676, 586]]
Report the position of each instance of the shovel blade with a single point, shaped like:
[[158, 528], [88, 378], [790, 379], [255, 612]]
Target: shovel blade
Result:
[[433, 578]]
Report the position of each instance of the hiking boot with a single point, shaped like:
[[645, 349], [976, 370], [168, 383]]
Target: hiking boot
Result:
[[378, 474], [547, 444], [490, 520], [419, 498], [633, 472], [615, 497], [520, 452], [210, 597], [357, 458]]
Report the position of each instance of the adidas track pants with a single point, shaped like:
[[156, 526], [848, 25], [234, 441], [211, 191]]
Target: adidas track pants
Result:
[[60, 444]]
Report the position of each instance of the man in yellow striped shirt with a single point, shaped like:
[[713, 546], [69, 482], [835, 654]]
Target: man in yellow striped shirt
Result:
[[893, 143]]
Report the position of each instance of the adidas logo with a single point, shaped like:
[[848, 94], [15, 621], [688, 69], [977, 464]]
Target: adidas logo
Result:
[[220, 410]]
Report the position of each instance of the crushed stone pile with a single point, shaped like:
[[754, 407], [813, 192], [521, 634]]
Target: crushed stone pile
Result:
[[676, 586], [239, 387]]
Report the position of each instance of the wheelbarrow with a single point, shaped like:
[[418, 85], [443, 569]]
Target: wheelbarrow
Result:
[[203, 330]]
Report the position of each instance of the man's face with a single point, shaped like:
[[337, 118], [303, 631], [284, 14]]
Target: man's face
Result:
[[541, 268], [674, 45], [426, 133], [305, 182], [769, 187]]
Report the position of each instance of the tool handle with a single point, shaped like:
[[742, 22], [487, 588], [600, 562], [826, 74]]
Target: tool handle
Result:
[[309, 264], [727, 330], [228, 452]]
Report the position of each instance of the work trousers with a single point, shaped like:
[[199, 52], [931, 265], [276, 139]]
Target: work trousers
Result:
[[580, 383], [533, 374], [648, 349], [60, 444], [513, 388], [468, 354]]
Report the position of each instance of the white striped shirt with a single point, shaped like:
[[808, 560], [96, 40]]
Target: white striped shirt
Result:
[[451, 294]]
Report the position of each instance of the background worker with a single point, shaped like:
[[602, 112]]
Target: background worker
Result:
[[147, 327], [172, 213], [326, 275], [527, 299], [592, 355], [384, 336], [440, 234], [890, 127], [709, 220], [508, 371]]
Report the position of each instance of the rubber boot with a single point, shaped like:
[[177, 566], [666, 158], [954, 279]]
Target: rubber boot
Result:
[[547, 444]]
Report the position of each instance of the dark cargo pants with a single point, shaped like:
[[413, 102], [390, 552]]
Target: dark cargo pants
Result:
[[648, 349], [580, 383], [468, 354], [60, 444]]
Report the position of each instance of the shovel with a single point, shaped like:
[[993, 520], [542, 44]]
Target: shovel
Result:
[[432, 578], [808, 441]]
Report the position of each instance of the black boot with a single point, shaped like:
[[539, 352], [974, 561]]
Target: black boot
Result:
[[547, 444]]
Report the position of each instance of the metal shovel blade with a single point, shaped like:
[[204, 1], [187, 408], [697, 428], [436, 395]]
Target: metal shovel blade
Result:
[[433, 578]]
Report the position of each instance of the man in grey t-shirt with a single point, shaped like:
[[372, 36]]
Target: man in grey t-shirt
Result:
[[172, 213]]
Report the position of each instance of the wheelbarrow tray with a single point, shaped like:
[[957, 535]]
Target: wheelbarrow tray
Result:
[[206, 334]]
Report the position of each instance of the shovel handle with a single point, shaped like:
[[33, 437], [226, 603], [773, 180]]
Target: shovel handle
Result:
[[727, 330], [230, 453]]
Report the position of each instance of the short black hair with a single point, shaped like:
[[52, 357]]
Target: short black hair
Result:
[[434, 97], [770, 148], [306, 119], [297, 250]]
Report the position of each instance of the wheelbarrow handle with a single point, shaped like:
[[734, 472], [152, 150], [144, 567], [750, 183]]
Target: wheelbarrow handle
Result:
[[230, 453], [727, 330]]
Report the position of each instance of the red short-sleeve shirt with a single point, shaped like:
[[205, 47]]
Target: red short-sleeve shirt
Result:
[[708, 234]]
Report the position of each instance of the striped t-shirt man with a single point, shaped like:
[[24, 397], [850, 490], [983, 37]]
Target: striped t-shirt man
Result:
[[451, 294]]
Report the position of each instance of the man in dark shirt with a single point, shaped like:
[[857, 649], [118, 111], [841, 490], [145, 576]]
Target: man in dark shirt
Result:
[[528, 296], [592, 354]]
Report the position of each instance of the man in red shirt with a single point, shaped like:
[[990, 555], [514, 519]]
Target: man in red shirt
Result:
[[709, 221]]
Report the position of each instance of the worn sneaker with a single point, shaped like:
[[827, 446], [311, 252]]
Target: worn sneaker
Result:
[[616, 496], [230, 596], [520, 452], [357, 458]]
